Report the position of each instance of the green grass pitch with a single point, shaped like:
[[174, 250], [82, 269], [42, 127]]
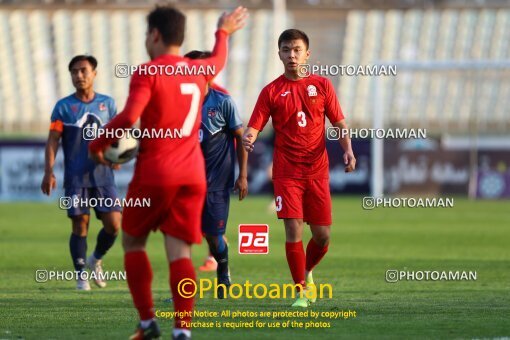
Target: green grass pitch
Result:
[[472, 236]]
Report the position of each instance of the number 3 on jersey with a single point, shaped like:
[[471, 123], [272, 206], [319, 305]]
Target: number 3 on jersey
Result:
[[278, 203], [301, 119]]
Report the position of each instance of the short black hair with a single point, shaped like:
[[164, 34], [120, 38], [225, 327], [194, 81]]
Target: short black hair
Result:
[[198, 54], [170, 22], [293, 34], [92, 61]]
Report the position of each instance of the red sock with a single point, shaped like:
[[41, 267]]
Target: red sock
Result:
[[296, 259], [182, 269], [314, 254], [139, 278]]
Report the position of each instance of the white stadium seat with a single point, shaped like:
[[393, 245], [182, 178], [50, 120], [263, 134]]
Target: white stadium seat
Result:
[[37, 45]]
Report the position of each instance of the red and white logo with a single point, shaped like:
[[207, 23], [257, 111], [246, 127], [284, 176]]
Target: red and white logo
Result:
[[312, 91], [253, 239]]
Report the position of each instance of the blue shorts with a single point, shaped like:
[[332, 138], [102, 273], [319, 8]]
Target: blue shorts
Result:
[[215, 213], [86, 194]]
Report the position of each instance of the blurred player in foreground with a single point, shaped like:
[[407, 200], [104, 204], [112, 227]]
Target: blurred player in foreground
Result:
[[221, 125], [83, 179], [169, 171], [298, 105]]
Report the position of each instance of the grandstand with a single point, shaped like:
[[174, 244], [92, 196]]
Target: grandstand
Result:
[[37, 41]]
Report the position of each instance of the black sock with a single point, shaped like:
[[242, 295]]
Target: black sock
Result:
[[104, 242], [222, 259], [78, 247]]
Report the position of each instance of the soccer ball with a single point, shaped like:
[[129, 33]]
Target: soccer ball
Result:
[[123, 150]]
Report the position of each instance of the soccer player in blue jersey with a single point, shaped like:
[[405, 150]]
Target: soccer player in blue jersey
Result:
[[221, 128], [83, 178]]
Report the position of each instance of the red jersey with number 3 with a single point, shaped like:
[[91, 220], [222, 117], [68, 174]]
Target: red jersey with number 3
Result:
[[298, 110]]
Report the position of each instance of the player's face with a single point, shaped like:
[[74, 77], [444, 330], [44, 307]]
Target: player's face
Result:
[[83, 75], [292, 53]]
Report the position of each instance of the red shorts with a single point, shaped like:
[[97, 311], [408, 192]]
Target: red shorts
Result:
[[308, 199], [175, 210]]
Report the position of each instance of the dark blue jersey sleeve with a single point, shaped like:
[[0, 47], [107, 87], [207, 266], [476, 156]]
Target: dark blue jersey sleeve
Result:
[[231, 114]]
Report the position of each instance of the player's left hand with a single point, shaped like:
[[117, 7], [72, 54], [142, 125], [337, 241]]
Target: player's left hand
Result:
[[349, 161], [98, 157], [241, 186]]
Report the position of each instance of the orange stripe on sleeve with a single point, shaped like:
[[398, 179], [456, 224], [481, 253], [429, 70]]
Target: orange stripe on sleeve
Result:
[[57, 126]]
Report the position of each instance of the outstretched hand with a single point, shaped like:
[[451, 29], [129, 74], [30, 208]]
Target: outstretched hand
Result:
[[234, 20]]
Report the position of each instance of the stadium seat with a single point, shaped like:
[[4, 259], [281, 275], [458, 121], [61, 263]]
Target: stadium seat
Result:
[[23, 66], [258, 47], [8, 98], [100, 43], [136, 39], [63, 50], [119, 34], [42, 61], [36, 72]]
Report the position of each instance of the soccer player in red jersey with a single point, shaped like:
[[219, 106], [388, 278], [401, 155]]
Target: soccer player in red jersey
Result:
[[298, 107], [169, 171]]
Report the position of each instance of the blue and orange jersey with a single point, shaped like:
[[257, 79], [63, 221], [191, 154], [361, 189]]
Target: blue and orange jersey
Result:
[[71, 116], [220, 118]]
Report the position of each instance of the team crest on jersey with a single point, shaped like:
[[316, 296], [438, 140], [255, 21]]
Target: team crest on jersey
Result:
[[211, 112], [102, 107], [74, 108], [312, 91]]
